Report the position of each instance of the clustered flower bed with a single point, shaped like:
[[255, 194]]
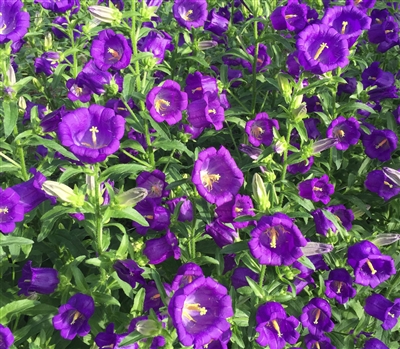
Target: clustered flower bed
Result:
[[200, 174]]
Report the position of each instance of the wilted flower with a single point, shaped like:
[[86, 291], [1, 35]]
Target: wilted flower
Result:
[[159, 249], [6, 337], [199, 311], [339, 285], [378, 182], [317, 189], [14, 23], [383, 309], [216, 175], [276, 240], [11, 210], [190, 13], [129, 271], [105, 14], [345, 131], [73, 317], [275, 327], [323, 144], [40, 280], [259, 130]]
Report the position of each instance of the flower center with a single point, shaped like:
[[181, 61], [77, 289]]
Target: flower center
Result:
[[317, 189], [344, 26], [379, 21], [339, 288], [4, 210], [75, 316], [155, 189], [186, 16], [257, 131], [275, 325], [161, 105], [388, 31], [114, 53], [197, 89], [381, 143], [388, 184], [193, 307], [156, 296], [371, 267], [321, 48], [290, 16], [238, 209], [149, 216], [273, 234], [358, 2], [209, 179], [94, 130], [317, 315], [259, 61], [78, 90], [391, 315], [339, 133], [4, 27], [212, 111], [316, 344]]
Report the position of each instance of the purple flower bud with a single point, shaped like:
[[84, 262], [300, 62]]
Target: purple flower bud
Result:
[[316, 248], [159, 249], [374, 343], [383, 309]]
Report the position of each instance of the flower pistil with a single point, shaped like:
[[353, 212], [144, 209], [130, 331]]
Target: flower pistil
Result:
[[371, 267], [276, 327], [321, 48], [381, 143], [161, 104], [186, 16], [344, 25], [75, 316], [209, 179], [193, 307]]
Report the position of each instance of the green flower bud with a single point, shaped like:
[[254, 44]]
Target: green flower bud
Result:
[[48, 42], [205, 45], [105, 14], [131, 197], [259, 192], [386, 239], [149, 328], [284, 86], [64, 193]]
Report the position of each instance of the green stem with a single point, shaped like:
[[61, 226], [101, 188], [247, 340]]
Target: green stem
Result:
[[169, 160], [285, 163], [134, 158], [192, 240], [98, 218], [262, 275], [134, 43], [233, 139], [150, 152], [9, 159], [238, 100], [21, 154], [253, 104], [395, 282]]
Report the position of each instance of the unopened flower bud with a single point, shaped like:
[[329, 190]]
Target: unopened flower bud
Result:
[[284, 86], [105, 14], [313, 248], [11, 75], [48, 42], [63, 192], [205, 45], [149, 328], [323, 144], [300, 113], [280, 146], [393, 175], [386, 239], [259, 192], [131, 197]]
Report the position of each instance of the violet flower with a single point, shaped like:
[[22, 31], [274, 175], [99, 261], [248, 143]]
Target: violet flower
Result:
[[128, 271], [109, 339], [383, 309], [345, 131], [317, 189], [374, 343], [320, 342], [50, 121], [6, 337], [221, 233], [190, 13], [216, 23], [262, 60], [47, 63], [241, 205], [276, 240], [374, 76], [39, 280], [206, 112], [111, 50], [275, 328], [378, 182], [58, 6], [349, 87], [238, 277], [361, 4], [185, 275], [156, 42], [396, 114], [316, 316], [290, 17], [322, 49], [73, 317], [380, 144], [158, 217], [11, 210], [259, 130], [159, 249], [323, 224], [94, 78], [216, 175], [14, 23], [199, 311], [186, 210], [79, 89], [371, 268], [92, 133], [62, 22], [155, 184], [339, 286], [167, 102], [198, 84], [303, 279], [152, 299]]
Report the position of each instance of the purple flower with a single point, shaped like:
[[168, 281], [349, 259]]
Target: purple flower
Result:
[[378, 182], [185, 211], [11, 210], [380, 144], [73, 317], [79, 89], [345, 131], [157, 216], [241, 205], [6, 337], [396, 114], [322, 49], [190, 13], [374, 76], [221, 233], [206, 112], [323, 224], [374, 343], [14, 23], [155, 184], [62, 22], [303, 279], [40, 280], [111, 50], [92, 77], [262, 60], [185, 275], [47, 63], [371, 268], [275, 327], [109, 339], [290, 17], [216, 23], [167, 102], [216, 175], [361, 4], [317, 189], [199, 311], [59, 6], [380, 93], [129, 271], [153, 300], [383, 309], [349, 87], [159, 249], [198, 84], [316, 316], [92, 133], [259, 130], [156, 42], [50, 121], [276, 240], [238, 277], [320, 342], [339, 286], [386, 31]]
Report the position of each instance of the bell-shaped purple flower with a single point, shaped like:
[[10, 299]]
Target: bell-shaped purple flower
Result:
[[156, 42], [321, 49], [14, 23], [378, 182], [316, 316], [259, 130], [109, 339], [276, 240], [167, 102], [275, 328], [92, 77], [361, 4], [216, 175], [62, 22], [198, 84], [155, 184], [293, 16], [303, 279], [383, 309], [40, 280], [317, 189], [152, 299], [238, 277], [159, 249], [241, 205], [216, 23], [386, 31], [78, 89], [6, 337], [320, 342], [185, 275], [59, 6], [157, 216], [185, 211], [323, 224], [262, 60], [129, 271], [92, 133], [199, 312], [206, 112], [47, 63], [349, 87], [73, 317], [374, 76], [111, 50], [345, 131], [11, 210], [374, 343], [380, 144], [221, 233], [339, 285], [371, 268], [190, 13]]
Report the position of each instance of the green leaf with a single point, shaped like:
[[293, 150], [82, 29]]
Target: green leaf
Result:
[[235, 247], [160, 286], [50, 218], [7, 240], [352, 106], [139, 301], [306, 262], [105, 299], [118, 172], [48, 143], [258, 291], [128, 86], [130, 213], [131, 338], [10, 116], [14, 309], [172, 145], [204, 260], [326, 81]]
